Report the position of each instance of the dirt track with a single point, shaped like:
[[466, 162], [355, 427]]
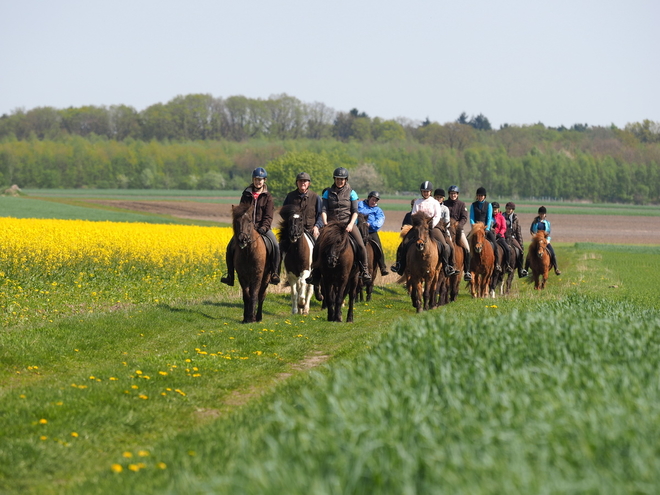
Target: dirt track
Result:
[[565, 228]]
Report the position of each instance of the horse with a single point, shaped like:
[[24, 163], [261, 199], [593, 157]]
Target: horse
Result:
[[459, 258], [339, 270], [373, 252], [482, 263], [422, 263], [250, 262], [297, 246], [504, 276], [539, 259]]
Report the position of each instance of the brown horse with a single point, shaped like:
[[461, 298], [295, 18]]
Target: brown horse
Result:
[[482, 262], [539, 259], [372, 257], [250, 260], [422, 263], [297, 246], [339, 270], [459, 258]]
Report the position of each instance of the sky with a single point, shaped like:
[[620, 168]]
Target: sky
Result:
[[558, 62]]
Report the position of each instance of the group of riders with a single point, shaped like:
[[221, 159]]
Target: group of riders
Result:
[[340, 203]]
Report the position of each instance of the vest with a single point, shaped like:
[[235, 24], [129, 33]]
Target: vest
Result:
[[339, 204], [480, 211]]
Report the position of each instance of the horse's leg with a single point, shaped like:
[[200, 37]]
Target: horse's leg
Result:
[[351, 300], [295, 288], [261, 298], [248, 304]]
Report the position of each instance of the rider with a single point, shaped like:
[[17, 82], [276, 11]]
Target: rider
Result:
[[514, 236], [340, 203], [375, 220], [541, 223], [438, 213], [439, 196], [482, 211], [309, 203], [257, 194], [458, 211], [499, 228]]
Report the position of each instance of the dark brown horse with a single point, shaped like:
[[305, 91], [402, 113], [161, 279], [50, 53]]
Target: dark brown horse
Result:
[[538, 258], [339, 270], [459, 258], [373, 252], [504, 276], [422, 263], [297, 247], [482, 262], [250, 260]]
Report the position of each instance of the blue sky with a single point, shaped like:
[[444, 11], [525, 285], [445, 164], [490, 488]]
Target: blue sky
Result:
[[516, 61]]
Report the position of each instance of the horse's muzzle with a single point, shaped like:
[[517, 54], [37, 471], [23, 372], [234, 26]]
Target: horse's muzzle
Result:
[[420, 245]]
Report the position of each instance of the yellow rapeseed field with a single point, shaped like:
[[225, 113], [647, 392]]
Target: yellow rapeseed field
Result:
[[50, 267]]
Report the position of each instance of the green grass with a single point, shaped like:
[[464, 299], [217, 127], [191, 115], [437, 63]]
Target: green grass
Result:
[[552, 391]]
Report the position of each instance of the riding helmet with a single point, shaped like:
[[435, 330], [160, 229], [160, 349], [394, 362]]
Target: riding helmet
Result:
[[426, 186], [511, 205], [303, 176], [542, 210], [374, 194], [453, 189], [495, 204], [481, 191], [340, 173], [259, 172], [439, 192]]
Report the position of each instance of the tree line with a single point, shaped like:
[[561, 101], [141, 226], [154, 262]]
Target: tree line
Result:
[[202, 142]]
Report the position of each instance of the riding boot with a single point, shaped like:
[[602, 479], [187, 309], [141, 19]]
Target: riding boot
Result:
[[522, 273], [229, 258], [498, 267], [383, 268], [466, 266], [398, 266], [448, 267], [554, 264], [314, 278], [364, 272]]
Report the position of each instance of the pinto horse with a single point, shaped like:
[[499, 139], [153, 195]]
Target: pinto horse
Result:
[[297, 246], [482, 263], [503, 277], [539, 259], [250, 261], [339, 270], [422, 263]]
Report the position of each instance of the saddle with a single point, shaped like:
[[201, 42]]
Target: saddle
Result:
[[269, 246]]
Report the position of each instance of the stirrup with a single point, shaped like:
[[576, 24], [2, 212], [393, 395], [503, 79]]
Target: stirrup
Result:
[[274, 279], [396, 267], [467, 277]]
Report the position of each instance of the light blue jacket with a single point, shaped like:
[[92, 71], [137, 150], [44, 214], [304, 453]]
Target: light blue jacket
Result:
[[375, 216]]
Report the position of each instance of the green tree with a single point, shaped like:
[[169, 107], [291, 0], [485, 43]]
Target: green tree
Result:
[[282, 172]]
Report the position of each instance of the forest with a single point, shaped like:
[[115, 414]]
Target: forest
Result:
[[203, 142]]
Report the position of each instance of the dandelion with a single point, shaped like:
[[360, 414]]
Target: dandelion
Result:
[[143, 453], [161, 465], [74, 434], [134, 387], [43, 421], [116, 468], [142, 396], [22, 396], [162, 373], [127, 455], [134, 467], [112, 378], [43, 437]]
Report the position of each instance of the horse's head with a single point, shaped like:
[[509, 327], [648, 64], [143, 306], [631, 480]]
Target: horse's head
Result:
[[292, 226], [420, 229], [540, 243], [242, 224], [478, 237]]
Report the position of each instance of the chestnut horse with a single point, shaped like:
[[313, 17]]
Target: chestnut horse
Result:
[[296, 246], [539, 259], [482, 263], [339, 270], [422, 263], [250, 261]]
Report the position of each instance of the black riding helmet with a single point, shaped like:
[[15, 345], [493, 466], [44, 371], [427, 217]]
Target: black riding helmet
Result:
[[481, 191], [495, 204], [340, 173], [374, 194], [542, 209], [439, 192]]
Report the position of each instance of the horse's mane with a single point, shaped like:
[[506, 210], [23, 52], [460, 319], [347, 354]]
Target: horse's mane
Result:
[[539, 236], [286, 212], [404, 230], [239, 210], [479, 227], [419, 217], [334, 233]]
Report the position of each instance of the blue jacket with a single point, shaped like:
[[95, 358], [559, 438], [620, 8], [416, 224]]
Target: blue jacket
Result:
[[375, 216], [535, 226]]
